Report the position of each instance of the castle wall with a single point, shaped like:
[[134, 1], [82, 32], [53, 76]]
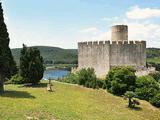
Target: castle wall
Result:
[[95, 55], [105, 54], [132, 53]]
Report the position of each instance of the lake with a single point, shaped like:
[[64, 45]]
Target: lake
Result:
[[55, 74]]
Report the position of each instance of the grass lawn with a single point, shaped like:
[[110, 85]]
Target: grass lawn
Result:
[[155, 60], [69, 102]]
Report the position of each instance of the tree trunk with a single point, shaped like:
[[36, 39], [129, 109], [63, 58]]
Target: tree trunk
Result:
[[129, 103], [1, 83]]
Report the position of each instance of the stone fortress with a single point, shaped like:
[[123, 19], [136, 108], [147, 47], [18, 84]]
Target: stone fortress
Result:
[[103, 55]]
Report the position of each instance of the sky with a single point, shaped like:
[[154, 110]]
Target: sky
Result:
[[63, 23]]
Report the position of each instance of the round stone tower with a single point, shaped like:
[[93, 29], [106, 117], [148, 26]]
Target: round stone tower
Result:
[[119, 33]]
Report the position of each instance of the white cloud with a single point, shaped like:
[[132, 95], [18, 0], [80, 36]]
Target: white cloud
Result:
[[138, 30], [144, 30], [88, 30], [142, 13]]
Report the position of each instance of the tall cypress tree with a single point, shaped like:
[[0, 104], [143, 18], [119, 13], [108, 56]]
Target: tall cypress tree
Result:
[[7, 64]]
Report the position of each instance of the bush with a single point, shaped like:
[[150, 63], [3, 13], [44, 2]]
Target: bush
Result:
[[87, 78], [101, 84], [156, 76], [16, 79], [155, 100], [146, 87], [71, 78], [156, 65], [130, 95], [121, 79]]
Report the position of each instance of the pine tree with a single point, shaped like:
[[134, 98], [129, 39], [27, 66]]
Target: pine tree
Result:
[[7, 64], [31, 65]]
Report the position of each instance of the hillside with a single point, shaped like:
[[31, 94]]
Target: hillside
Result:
[[153, 55], [55, 54], [59, 55], [69, 102]]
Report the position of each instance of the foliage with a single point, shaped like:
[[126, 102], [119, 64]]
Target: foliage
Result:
[[156, 76], [71, 78], [156, 65], [155, 100], [101, 83], [153, 52], [16, 79], [146, 87], [52, 55], [87, 78], [31, 65], [121, 79], [7, 64], [130, 95]]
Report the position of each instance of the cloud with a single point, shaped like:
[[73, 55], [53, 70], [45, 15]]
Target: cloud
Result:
[[138, 30], [143, 30], [142, 13], [88, 30]]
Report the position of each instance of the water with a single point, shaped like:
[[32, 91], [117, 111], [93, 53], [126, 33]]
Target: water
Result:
[[55, 74]]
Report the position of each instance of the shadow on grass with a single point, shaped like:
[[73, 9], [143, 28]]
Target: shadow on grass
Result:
[[17, 94], [39, 85]]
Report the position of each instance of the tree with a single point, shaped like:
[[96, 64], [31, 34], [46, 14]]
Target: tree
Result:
[[7, 64], [121, 79], [130, 95], [31, 65], [146, 87]]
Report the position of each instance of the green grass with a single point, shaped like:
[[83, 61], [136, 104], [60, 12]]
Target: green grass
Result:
[[154, 60], [69, 102]]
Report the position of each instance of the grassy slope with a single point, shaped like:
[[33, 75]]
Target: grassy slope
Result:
[[69, 102], [154, 60]]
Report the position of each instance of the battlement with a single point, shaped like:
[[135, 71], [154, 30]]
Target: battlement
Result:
[[111, 43]]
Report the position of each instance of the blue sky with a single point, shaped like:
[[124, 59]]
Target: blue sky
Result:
[[62, 23]]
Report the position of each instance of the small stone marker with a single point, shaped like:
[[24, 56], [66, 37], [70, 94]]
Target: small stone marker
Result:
[[49, 86]]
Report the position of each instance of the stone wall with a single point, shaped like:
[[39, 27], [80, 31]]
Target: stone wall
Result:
[[132, 53], [105, 54], [119, 33], [95, 55]]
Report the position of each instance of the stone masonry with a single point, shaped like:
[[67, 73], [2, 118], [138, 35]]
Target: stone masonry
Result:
[[103, 55]]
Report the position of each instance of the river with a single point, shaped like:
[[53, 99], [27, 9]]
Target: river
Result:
[[55, 74]]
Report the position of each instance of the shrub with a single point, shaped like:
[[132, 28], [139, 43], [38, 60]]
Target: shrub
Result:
[[130, 95], [156, 76], [121, 79], [156, 65], [155, 100], [16, 79], [71, 78], [87, 78], [146, 87], [101, 83]]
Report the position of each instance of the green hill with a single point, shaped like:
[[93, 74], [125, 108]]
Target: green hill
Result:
[[69, 56], [55, 54], [153, 55], [69, 102]]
